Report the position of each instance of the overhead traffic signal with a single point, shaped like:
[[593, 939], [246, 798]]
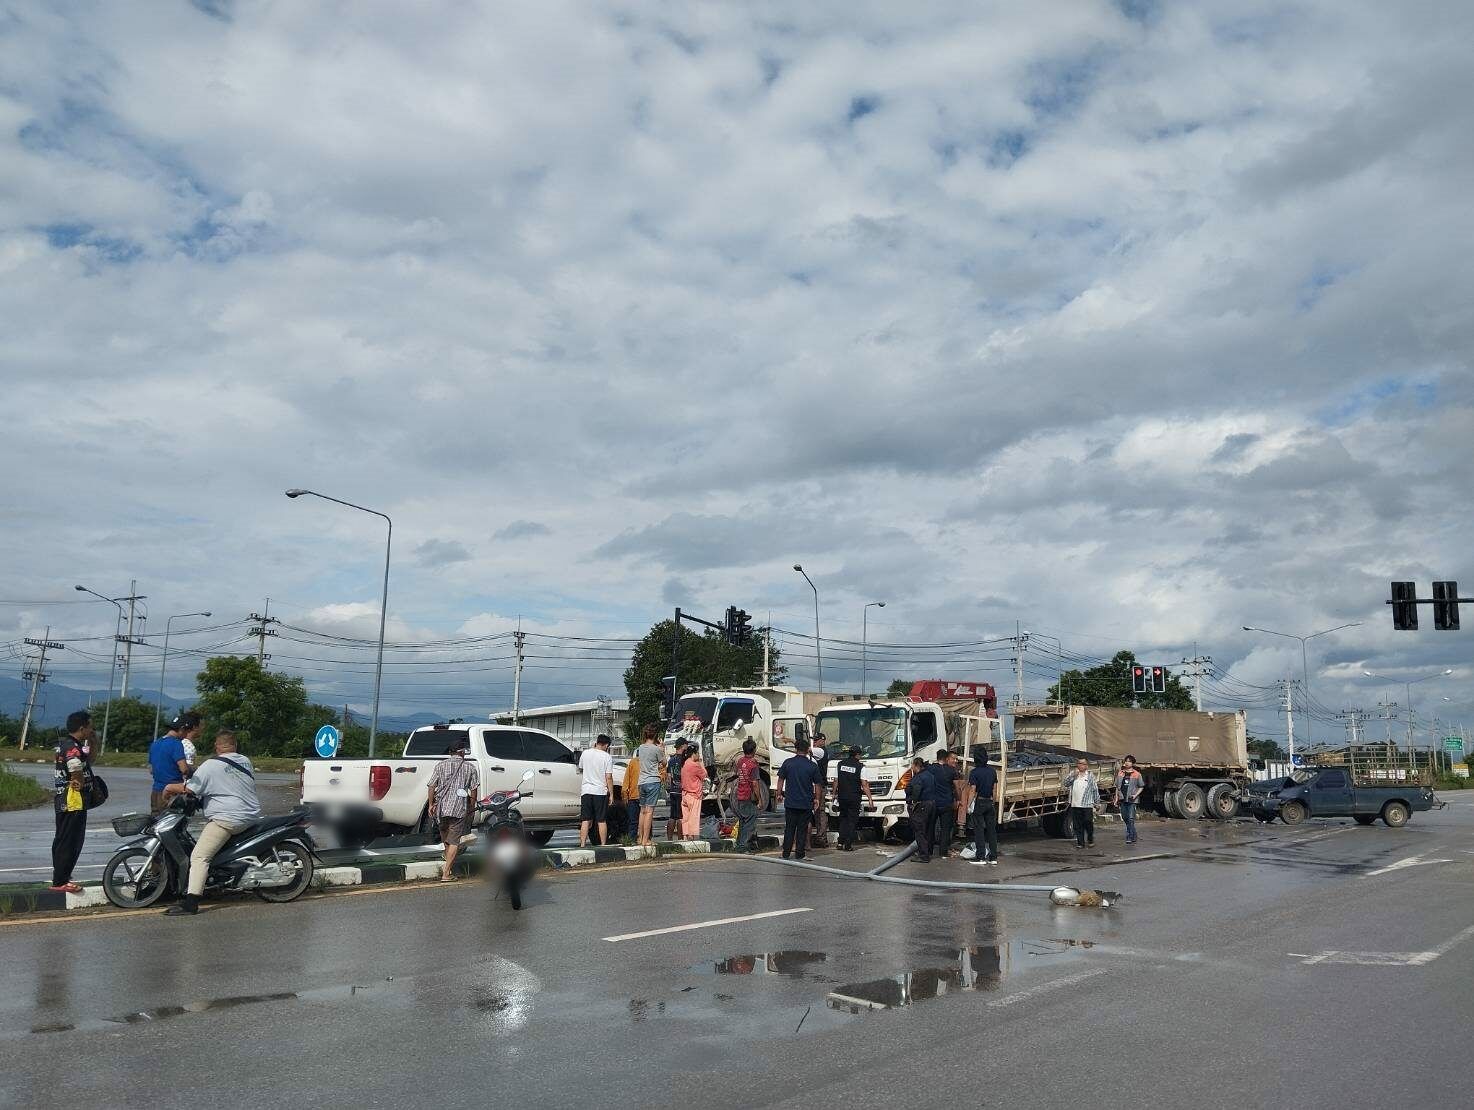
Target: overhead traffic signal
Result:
[[1445, 606], [1159, 680], [738, 628], [1405, 606], [1138, 679], [667, 697]]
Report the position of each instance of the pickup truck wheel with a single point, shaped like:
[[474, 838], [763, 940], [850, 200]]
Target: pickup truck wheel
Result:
[[1221, 804], [1292, 813], [1395, 814], [540, 837], [1363, 818], [1191, 802]]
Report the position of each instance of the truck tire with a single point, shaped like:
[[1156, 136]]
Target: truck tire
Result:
[[1395, 814], [1364, 818], [1169, 804], [1056, 825], [1191, 801], [1292, 813], [1221, 804]]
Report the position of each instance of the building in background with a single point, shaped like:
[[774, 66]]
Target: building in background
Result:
[[577, 723]]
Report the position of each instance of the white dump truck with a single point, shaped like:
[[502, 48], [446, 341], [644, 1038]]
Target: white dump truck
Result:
[[721, 720]]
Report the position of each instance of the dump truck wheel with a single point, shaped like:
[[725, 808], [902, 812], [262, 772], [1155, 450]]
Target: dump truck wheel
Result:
[[1190, 801], [1221, 803], [1169, 804], [1395, 814], [1292, 813]]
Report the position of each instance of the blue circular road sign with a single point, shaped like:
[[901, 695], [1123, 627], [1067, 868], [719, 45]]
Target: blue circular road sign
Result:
[[327, 740]]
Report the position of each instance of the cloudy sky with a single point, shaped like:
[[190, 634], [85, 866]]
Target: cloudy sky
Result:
[[1134, 323]]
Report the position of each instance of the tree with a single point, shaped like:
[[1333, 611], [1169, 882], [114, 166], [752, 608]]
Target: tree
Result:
[[130, 724], [706, 660], [1110, 685], [266, 710], [1264, 748], [899, 688]]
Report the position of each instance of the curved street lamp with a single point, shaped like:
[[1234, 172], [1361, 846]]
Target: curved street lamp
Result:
[[818, 653], [107, 709], [1409, 687], [383, 605], [865, 637], [1304, 664], [159, 705]]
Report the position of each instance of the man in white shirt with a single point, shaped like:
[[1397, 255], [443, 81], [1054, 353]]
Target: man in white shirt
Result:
[[597, 768]]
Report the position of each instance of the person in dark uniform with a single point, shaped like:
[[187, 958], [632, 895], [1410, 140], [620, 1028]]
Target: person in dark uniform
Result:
[[947, 797], [849, 787]]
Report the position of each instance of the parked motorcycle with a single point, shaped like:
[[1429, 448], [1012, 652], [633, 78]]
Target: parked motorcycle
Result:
[[509, 857], [273, 857]]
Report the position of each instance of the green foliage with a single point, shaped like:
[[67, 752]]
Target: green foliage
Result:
[[706, 660], [898, 688], [267, 711], [1110, 685], [20, 791], [1264, 748], [38, 738], [130, 724]]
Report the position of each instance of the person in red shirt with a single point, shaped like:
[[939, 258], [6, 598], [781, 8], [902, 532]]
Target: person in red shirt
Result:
[[747, 796]]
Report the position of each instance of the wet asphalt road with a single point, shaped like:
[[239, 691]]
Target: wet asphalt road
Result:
[[1321, 966]]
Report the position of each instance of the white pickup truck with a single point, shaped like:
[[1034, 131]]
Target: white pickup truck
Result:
[[398, 788]]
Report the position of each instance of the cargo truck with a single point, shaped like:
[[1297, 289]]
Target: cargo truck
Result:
[[1193, 764], [891, 731], [720, 721]]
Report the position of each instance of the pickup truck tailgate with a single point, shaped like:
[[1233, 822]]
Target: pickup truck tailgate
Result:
[[397, 787]]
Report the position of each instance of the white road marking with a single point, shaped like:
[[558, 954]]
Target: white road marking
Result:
[[1390, 959], [1045, 988], [707, 924], [1411, 861]]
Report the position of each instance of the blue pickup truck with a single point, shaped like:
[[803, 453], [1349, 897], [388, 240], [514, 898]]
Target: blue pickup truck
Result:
[[1335, 792]]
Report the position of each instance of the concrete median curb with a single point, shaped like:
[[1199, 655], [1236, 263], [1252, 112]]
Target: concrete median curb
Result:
[[22, 899]]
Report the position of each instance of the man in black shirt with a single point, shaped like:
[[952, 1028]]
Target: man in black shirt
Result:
[[849, 787], [799, 791], [982, 791]]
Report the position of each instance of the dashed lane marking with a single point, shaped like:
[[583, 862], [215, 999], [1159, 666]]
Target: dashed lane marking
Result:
[[707, 924], [1390, 959], [1045, 988], [1399, 865]]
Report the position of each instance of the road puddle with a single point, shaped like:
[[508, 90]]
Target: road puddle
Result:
[[792, 963], [983, 967]]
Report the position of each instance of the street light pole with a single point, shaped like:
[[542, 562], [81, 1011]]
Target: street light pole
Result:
[[112, 670], [164, 663], [1304, 660], [383, 605], [865, 638], [1409, 687], [818, 652]]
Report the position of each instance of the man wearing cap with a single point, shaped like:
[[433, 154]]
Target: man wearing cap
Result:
[[453, 788], [849, 787], [168, 757], [597, 767]]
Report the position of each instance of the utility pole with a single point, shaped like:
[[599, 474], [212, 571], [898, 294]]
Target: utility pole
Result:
[[1199, 665], [37, 676], [1020, 645], [519, 639], [133, 598], [1289, 707], [262, 630], [1354, 719], [767, 647]]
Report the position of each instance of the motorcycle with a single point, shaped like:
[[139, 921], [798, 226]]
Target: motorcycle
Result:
[[273, 857], [509, 856]]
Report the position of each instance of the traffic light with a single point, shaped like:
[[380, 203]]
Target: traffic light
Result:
[[1445, 607], [738, 627], [667, 697], [1138, 679], [1159, 680], [1405, 606]]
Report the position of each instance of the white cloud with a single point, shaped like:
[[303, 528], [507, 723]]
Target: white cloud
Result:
[[1139, 329]]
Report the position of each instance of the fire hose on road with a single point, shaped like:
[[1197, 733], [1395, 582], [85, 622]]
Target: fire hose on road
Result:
[[1058, 895]]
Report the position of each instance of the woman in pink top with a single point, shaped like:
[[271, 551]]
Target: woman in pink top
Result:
[[693, 778]]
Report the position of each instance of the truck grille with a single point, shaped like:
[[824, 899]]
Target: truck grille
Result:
[[880, 788]]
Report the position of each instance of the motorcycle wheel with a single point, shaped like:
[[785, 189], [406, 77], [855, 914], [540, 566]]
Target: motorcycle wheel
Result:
[[293, 854], [129, 881]]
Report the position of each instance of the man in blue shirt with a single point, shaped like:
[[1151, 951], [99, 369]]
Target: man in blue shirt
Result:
[[166, 756], [799, 791]]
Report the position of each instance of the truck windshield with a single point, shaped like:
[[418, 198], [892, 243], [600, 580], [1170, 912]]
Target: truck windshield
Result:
[[693, 708], [879, 733]]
